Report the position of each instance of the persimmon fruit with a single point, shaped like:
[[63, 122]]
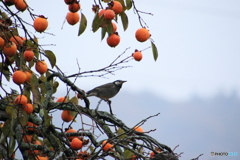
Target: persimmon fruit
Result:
[[109, 14], [10, 49], [113, 40], [28, 108], [66, 116], [61, 99], [19, 77], [74, 7], [138, 129], [71, 131], [142, 34], [137, 55], [21, 99], [117, 7], [101, 12], [28, 76], [41, 67], [30, 126], [69, 1], [40, 24], [27, 138], [72, 18], [134, 157], [152, 154], [17, 40], [83, 155], [76, 144], [37, 143], [114, 27], [1, 125], [2, 42], [106, 146], [21, 5], [28, 55], [42, 158]]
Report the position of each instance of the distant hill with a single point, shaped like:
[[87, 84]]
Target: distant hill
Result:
[[198, 125]]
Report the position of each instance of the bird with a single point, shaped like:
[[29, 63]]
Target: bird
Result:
[[106, 91]]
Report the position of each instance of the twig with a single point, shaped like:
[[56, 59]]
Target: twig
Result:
[[112, 67], [139, 17]]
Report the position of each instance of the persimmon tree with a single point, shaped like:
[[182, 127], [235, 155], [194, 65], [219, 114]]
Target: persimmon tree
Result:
[[25, 111]]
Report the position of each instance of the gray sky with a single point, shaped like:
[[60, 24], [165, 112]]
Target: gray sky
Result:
[[198, 44]]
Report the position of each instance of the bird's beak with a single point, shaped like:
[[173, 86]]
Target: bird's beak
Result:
[[124, 81]]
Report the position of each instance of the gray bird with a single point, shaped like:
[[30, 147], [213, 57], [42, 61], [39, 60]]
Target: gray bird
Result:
[[106, 91]]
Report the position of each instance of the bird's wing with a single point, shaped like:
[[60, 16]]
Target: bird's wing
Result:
[[95, 90], [92, 92]]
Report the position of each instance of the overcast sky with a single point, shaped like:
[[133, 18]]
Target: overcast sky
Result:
[[198, 44]]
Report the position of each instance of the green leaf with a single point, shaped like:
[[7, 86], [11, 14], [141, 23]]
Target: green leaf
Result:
[[141, 150], [103, 22], [30, 64], [35, 39], [42, 78], [29, 43], [91, 148], [128, 4], [35, 90], [12, 111], [47, 75], [55, 85], [124, 19], [44, 114], [109, 28], [36, 108], [41, 112], [47, 143], [123, 4], [12, 143], [95, 23], [73, 114], [51, 57], [5, 71], [121, 132], [83, 24], [127, 154], [23, 117], [43, 89], [15, 32], [155, 51], [74, 100], [4, 15], [47, 120], [5, 130], [121, 1], [26, 91], [104, 30], [35, 50]]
